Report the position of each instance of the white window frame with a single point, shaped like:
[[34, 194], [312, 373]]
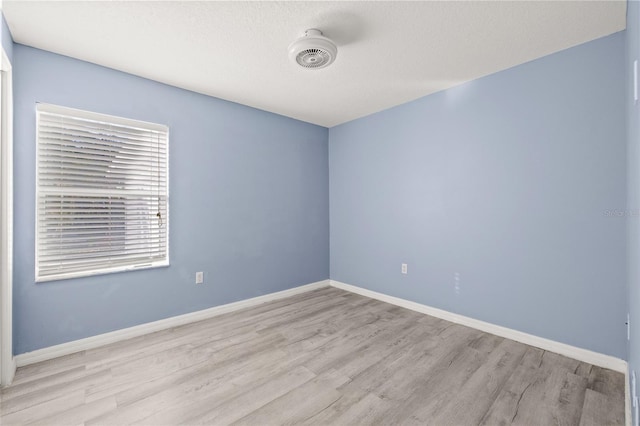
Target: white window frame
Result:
[[165, 220]]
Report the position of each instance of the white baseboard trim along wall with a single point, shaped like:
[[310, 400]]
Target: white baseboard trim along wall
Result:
[[151, 327], [595, 358], [585, 355], [627, 398]]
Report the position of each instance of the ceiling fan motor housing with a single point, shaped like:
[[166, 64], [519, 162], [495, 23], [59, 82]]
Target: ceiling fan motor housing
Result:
[[313, 50]]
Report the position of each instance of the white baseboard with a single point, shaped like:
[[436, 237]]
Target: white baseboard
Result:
[[595, 358], [585, 355], [139, 330]]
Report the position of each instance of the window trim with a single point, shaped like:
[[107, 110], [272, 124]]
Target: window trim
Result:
[[115, 120]]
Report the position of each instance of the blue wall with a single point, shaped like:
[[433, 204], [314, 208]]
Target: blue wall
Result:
[[508, 181], [248, 203], [633, 175], [516, 182], [5, 38]]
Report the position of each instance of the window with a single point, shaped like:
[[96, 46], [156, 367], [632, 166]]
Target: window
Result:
[[102, 194]]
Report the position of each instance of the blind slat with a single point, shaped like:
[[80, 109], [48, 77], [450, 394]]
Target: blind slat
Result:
[[64, 129], [62, 137]]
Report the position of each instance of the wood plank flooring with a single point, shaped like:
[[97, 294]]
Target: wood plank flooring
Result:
[[327, 357]]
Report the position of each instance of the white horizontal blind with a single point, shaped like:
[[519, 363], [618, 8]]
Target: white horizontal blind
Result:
[[102, 194]]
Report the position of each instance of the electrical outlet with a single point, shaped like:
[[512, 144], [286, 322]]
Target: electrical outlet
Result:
[[404, 268], [199, 277], [456, 282]]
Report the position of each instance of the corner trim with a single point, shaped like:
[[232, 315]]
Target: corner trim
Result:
[[92, 342], [9, 372], [7, 361], [627, 397], [585, 355]]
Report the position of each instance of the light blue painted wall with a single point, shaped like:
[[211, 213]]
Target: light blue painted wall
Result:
[[5, 38], [248, 203], [506, 181], [632, 34]]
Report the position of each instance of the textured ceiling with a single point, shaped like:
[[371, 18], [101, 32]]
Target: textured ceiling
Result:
[[389, 52]]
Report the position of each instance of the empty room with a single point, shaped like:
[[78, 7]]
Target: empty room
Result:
[[323, 213]]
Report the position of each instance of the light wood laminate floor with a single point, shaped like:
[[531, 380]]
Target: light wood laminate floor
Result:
[[325, 357]]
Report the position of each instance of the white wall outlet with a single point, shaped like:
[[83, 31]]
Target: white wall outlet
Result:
[[404, 268], [456, 282], [199, 277]]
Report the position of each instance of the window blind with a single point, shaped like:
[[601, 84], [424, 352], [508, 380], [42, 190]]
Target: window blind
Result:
[[102, 194]]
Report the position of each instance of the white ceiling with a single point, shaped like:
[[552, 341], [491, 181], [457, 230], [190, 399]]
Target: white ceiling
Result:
[[388, 52]]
